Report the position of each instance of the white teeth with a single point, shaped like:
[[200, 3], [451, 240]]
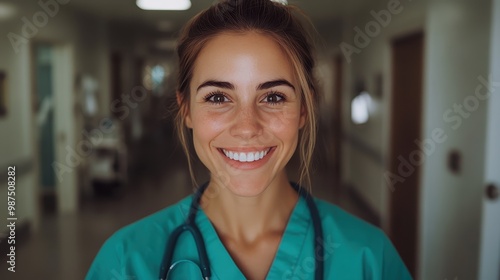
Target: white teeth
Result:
[[245, 157], [250, 157]]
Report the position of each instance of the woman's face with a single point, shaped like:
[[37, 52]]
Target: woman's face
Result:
[[245, 111]]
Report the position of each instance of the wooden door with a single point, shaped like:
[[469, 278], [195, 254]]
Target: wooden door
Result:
[[406, 123]]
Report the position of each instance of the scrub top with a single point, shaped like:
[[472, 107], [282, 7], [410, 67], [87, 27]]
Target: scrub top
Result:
[[353, 249]]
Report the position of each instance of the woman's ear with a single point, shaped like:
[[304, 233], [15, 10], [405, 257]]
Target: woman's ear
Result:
[[303, 116], [184, 109]]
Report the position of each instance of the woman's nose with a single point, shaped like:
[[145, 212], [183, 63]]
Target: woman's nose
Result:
[[246, 125]]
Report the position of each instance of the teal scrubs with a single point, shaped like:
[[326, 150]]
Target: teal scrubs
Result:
[[353, 249]]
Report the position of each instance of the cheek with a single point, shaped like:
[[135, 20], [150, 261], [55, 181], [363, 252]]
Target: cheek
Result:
[[291, 115], [206, 127], [286, 125]]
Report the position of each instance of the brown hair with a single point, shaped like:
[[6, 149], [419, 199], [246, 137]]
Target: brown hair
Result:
[[280, 22]]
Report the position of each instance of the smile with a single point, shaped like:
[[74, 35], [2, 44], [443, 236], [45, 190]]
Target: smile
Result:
[[246, 156]]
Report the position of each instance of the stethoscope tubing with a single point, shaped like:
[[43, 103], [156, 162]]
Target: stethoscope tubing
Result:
[[191, 227], [318, 232]]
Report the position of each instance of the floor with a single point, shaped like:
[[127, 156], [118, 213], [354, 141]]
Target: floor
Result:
[[65, 245]]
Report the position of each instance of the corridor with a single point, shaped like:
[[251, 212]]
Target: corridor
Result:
[[407, 124]]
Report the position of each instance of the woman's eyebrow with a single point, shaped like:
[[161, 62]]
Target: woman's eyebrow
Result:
[[227, 85], [275, 83], [213, 83]]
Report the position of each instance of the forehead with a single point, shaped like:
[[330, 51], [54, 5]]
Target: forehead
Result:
[[242, 58]]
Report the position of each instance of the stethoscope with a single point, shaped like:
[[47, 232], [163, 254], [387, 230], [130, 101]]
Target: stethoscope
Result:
[[191, 227]]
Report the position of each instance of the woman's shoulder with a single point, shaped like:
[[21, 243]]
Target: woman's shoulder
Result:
[[160, 223], [144, 238], [333, 212], [348, 228], [352, 238]]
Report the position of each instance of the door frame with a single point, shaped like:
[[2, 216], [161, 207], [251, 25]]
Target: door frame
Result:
[[489, 254], [66, 192]]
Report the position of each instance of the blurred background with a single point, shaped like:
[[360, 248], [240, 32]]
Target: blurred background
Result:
[[408, 137]]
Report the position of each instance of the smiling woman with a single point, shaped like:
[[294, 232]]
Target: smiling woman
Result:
[[243, 102], [246, 101]]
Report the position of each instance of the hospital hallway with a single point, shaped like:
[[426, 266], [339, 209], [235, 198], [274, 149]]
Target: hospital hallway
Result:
[[407, 120], [65, 245]]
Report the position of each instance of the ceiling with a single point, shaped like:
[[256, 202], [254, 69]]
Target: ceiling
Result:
[[126, 12]]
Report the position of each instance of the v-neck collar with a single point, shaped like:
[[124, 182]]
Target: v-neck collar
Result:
[[287, 255]]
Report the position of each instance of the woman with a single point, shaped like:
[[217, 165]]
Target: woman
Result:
[[246, 99]]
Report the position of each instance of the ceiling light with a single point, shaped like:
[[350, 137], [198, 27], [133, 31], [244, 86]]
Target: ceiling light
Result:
[[176, 5], [360, 108], [7, 11], [284, 2]]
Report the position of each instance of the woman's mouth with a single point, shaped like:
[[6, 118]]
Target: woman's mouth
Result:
[[249, 156]]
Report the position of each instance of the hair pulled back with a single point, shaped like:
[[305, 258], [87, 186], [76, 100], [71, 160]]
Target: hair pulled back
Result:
[[284, 24]]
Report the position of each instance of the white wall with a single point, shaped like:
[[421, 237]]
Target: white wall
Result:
[[489, 261], [457, 52], [82, 43], [16, 141], [457, 35]]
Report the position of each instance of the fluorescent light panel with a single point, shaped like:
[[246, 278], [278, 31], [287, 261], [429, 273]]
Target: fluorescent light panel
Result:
[[175, 5]]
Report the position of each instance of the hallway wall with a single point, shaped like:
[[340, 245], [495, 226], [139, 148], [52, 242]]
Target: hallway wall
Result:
[[457, 35], [366, 146], [458, 53], [489, 261], [83, 40]]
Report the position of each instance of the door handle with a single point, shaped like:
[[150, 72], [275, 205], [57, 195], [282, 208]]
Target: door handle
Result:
[[492, 192]]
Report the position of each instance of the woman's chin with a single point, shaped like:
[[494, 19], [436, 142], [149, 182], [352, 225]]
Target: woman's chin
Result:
[[247, 189], [248, 192]]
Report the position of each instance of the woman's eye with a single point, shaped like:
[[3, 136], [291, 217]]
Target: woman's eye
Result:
[[274, 98], [216, 98]]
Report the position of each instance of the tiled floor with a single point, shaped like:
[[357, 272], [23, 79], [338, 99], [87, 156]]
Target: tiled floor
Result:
[[64, 246]]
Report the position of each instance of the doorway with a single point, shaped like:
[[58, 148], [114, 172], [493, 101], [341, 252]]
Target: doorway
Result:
[[406, 122], [44, 94], [54, 112]]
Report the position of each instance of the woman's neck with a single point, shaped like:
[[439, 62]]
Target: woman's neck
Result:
[[246, 219]]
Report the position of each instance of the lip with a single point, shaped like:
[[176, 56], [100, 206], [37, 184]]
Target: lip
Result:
[[247, 165]]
